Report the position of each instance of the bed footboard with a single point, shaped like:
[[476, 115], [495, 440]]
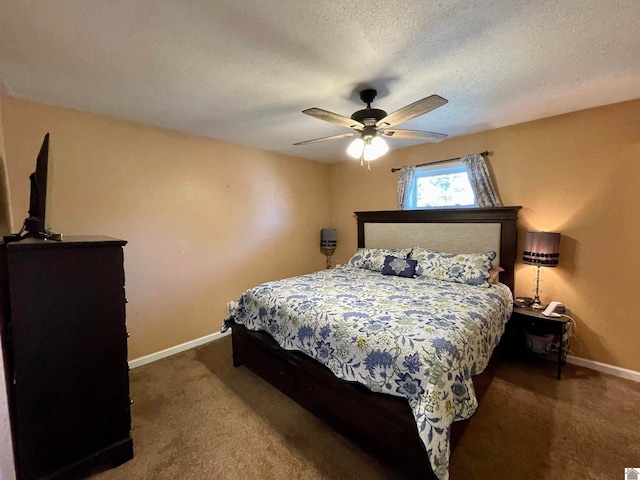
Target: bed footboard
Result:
[[383, 424]]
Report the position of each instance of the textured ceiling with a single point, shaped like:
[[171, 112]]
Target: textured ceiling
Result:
[[242, 70]]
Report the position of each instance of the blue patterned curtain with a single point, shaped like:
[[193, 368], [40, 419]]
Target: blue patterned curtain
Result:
[[405, 185], [480, 180]]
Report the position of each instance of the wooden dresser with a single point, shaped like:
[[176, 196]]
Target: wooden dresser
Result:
[[64, 341]]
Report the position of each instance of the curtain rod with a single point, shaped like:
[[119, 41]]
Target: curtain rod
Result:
[[484, 154]]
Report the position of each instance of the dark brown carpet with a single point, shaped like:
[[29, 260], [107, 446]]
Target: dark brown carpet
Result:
[[195, 416]]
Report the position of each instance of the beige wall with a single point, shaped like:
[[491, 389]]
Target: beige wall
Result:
[[204, 219], [577, 174]]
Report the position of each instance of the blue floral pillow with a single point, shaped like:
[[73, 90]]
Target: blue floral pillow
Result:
[[400, 267], [373, 258], [469, 268]]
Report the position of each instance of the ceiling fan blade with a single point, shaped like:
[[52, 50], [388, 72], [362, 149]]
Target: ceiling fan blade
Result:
[[334, 118], [412, 111], [431, 136], [332, 137]]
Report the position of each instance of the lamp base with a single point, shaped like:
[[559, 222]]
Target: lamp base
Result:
[[537, 305], [329, 252]]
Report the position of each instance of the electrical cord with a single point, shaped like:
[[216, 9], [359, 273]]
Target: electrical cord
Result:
[[572, 332]]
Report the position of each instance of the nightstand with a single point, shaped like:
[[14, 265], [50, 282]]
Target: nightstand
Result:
[[530, 320]]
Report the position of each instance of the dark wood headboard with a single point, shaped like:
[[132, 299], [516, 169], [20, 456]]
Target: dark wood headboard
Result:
[[504, 218]]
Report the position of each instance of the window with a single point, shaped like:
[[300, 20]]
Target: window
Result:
[[441, 185]]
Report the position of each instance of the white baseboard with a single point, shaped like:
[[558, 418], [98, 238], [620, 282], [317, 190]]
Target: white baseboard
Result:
[[138, 362], [604, 368], [581, 362]]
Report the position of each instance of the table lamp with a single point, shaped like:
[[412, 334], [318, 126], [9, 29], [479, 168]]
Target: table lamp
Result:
[[328, 243], [541, 249]]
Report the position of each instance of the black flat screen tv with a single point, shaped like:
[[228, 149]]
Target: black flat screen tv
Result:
[[34, 224]]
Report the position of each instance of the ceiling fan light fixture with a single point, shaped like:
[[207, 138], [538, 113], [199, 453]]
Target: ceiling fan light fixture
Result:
[[369, 149], [379, 146], [369, 153], [355, 148]]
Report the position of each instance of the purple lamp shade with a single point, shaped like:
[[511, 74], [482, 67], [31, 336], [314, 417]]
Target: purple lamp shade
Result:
[[328, 238], [541, 249]]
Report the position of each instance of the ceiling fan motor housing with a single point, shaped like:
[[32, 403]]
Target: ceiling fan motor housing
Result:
[[369, 116]]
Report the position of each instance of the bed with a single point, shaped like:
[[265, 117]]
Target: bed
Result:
[[365, 378]]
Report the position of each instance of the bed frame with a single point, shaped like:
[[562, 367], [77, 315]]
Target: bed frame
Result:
[[383, 424]]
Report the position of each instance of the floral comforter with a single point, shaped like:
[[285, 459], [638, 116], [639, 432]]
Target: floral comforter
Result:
[[418, 338]]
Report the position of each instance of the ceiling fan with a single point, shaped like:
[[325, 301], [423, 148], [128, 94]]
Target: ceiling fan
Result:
[[371, 124]]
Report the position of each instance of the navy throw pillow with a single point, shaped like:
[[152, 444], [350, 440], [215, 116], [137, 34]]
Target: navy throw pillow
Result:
[[400, 267]]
